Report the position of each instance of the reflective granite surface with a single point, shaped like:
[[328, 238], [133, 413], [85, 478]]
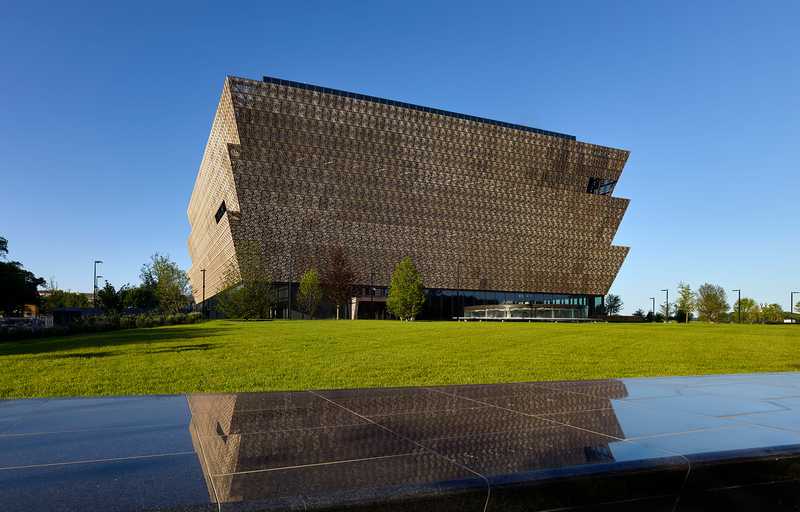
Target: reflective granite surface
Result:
[[729, 442]]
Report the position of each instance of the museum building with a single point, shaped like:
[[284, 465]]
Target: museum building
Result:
[[502, 220]]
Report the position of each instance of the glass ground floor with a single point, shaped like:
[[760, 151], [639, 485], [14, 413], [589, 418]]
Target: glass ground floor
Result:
[[444, 304]]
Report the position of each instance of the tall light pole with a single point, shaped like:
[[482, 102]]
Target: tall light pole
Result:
[[739, 303], [94, 284], [203, 307], [654, 308], [666, 305]]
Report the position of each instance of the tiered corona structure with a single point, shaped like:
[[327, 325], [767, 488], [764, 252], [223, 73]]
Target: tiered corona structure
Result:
[[490, 212]]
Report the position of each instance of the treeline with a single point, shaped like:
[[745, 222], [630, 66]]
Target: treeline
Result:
[[162, 297], [709, 303]]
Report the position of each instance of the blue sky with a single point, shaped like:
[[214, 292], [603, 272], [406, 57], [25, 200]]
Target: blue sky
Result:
[[106, 110]]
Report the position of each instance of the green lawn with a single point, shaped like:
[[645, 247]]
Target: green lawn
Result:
[[281, 355]]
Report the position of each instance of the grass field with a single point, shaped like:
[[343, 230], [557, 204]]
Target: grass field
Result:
[[281, 355]]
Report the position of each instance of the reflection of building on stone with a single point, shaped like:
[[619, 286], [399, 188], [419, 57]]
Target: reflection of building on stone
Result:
[[212, 420], [237, 434]]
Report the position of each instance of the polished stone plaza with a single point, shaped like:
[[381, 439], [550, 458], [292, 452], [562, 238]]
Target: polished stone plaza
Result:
[[682, 443]]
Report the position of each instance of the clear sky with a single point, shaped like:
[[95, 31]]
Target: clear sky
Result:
[[106, 109]]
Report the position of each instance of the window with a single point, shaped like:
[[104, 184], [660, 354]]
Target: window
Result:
[[220, 212], [601, 186]]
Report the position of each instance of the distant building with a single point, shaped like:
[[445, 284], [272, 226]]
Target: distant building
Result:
[[490, 212]]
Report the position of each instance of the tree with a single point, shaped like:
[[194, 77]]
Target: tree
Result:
[[248, 292], [639, 313], [665, 312], [110, 299], [771, 313], [57, 298], [686, 302], [613, 304], [309, 294], [19, 287], [169, 283], [797, 307], [338, 279], [142, 297], [712, 302], [751, 312], [406, 295]]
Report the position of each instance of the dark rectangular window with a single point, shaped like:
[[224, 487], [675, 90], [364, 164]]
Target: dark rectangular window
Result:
[[601, 186], [220, 212]]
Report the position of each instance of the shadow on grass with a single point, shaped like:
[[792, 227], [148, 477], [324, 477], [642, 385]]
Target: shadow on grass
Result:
[[114, 339], [110, 353], [82, 355], [181, 348]]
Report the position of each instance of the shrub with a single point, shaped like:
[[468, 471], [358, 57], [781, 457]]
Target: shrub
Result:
[[100, 324]]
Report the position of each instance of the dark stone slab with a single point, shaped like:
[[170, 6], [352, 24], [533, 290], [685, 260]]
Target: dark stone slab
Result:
[[399, 483], [168, 483], [92, 445], [421, 427], [627, 421], [773, 497], [726, 442], [367, 402], [254, 452], [73, 414]]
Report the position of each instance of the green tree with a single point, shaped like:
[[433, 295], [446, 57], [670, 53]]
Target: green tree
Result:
[[771, 313], [248, 292], [686, 302], [712, 302], [309, 294], [55, 298], [666, 312], [142, 297], [18, 286], [338, 279], [613, 304], [110, 299], [169, 283], [406, 295], [797, 308], [639, 313], [751, 312]]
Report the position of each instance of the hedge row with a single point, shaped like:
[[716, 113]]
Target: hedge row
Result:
[[101, 324]]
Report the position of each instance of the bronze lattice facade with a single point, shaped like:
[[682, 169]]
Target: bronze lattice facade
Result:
[[488, 211]]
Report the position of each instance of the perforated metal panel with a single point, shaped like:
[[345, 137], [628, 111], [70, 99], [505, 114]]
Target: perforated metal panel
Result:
[[303, 168]]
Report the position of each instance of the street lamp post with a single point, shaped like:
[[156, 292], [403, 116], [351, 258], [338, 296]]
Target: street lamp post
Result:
[[739, 304], [203, 308], [654, 308], [94, 284], [666, 306]]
